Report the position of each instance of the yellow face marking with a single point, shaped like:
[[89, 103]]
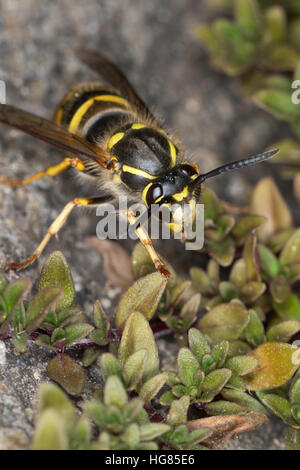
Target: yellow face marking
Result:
[[115, 139], [137, 125], [175, 227], [173, 152], [180, 196], [76, 119], [137, 171]]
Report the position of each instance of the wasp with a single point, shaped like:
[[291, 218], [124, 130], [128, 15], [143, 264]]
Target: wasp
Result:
[[112, 138]]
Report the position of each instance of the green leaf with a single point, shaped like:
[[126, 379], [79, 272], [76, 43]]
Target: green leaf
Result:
[[20, 341], [280, 57], [3, 283], [237, 348], [213, 384], [198, 344], [97, 411], [268, 260], [100, 318], [294, 393], [243, 399], [252, 291], [283, 331], [223, 252], [143, 296], [241, 365], [238, 273], [58, 337], [90, 355], [50, 433], [251, 259], [56, 273], [212, 205], [228, 291], [134, 367], [167, 398], [151, 388], [110, 365], [14, 294], [223, 408], [219, 353], [153, 430], [131, 436], [291, 251], [268, 202], [178, 411], [138, 335], [277, 362], [114, 392], [224, 322], [294, 35], [40, 305], [200, 279], [75, 333], [238, 52], [276, 23], [187, 366], [82, 433], [280, 289], [255, 332], [67, 373], [289, 309], [276, 102], [278, 405], [248, 18], [52, 397]]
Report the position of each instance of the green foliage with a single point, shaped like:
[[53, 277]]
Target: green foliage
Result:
[[261, 44], [204, 371], [118, 422], [233, 321]]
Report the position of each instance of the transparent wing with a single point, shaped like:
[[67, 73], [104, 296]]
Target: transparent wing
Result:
[[51, 133]]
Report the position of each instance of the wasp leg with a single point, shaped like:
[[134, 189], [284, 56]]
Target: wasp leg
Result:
[[53, 230], [146, 241], [50, 171]]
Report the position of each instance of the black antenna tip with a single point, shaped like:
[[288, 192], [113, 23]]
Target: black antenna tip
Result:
[[269, 154]]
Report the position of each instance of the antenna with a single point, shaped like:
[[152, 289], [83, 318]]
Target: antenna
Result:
[[234, 165]]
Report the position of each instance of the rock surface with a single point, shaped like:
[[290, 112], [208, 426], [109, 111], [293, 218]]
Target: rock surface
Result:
[[154, 43]]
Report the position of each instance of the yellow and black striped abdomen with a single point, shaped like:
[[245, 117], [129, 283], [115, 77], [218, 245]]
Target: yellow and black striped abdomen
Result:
[[92, 103]]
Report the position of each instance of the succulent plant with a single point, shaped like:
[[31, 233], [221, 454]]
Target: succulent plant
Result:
[[262, 38], [262, 46], [233, 322], [119, 423], [203, 371]]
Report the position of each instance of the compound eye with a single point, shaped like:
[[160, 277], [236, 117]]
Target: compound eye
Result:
[[189, 169], [154, 192]]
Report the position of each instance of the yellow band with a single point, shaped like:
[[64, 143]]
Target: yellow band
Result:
[[75, 121]]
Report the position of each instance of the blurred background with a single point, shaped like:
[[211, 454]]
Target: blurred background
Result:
[[160, 48]]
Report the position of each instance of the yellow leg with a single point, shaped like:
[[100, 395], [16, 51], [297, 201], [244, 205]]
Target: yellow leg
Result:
[[51, 171], [146, 241], [53, 230]]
